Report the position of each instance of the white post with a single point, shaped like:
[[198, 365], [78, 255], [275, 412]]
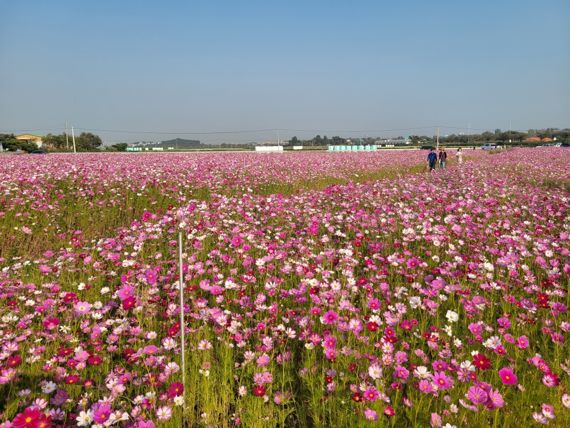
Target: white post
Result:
[[437, 140], [73, 139], [182, 323]]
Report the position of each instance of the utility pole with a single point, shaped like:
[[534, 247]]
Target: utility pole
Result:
[[73, 139], [437, 140], [66, 137]]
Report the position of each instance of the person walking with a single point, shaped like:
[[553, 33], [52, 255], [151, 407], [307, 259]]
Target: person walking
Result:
[[442, 158], [459, 156], [432, 159]]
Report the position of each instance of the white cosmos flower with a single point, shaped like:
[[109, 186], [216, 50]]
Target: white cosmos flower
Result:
[[452, 316], [48, 387], [84, 418], [375, 371], [422, 372]]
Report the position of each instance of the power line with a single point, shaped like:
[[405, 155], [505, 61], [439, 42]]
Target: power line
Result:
[[249, 131], [124, 131]]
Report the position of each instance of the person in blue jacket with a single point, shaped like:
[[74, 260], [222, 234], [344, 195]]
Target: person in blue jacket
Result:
[[432, 159]]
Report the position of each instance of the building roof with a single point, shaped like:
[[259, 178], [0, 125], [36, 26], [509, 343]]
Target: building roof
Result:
[[28, 137], [533, 139]]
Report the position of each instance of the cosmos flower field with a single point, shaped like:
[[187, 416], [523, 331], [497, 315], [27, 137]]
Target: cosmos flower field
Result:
[[321, 290]]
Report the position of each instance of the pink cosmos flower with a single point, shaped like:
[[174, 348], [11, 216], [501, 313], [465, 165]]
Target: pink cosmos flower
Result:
[[82, 308], [101, 412], [45, 269], [51, 323], [495, 399], [425, 386], [370, 414], [477, 395], [125, 292], [442, 381], [508, 376], [175, 389], [262, 378], [371, 394], [548, 411], [329, 317], [435, 420], [129, 302], [263, 360], [401, 372], [522, 342], [151, 276]]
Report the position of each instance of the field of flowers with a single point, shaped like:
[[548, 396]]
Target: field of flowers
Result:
[[322, 289]]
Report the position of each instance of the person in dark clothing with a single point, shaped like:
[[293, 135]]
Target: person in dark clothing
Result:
[[442, 158], [432, 159]]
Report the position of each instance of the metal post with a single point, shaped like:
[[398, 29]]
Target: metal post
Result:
[[437, 140], [182, 323], [73, 139]]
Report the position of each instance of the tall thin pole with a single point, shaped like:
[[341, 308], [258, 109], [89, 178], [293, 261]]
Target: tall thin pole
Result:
[[437, 140], [182, 323], [66, 137], [73, 139]]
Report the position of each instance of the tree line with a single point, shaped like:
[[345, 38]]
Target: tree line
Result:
[[84, 142], [498, 136]]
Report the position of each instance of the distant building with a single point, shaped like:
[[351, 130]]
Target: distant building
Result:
[[533, 139], [175, 144], [31, 138]]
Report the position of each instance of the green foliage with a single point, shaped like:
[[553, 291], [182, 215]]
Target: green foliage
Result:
[[88, 142], [10, 143], [85, 142], [120, 147], [59, 142]]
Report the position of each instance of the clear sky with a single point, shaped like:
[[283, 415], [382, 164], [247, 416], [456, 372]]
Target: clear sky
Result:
[[336, 67]]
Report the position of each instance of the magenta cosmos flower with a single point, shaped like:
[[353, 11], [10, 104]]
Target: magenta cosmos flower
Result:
[[508, 377], [101, 412], [151, 276], [477, 395], [442, 380], [330, 317], [371, 394]]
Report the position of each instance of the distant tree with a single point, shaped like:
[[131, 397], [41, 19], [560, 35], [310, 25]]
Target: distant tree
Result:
[[58, 142], [120, 147], [294, 141], [317, 141], [10, 143], [336, 140], [415, 139], [87, 142]]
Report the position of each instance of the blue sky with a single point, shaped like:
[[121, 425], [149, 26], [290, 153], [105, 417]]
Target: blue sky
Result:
[[336, 67]]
